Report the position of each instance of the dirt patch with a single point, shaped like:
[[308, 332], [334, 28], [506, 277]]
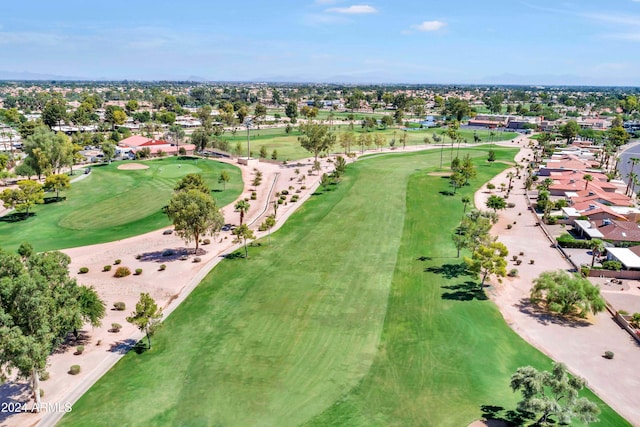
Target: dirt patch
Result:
[[132, 166], [439, 174]]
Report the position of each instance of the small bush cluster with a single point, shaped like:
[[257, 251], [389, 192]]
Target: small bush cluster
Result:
[[491, 186], [119, 306], [509, 226], [122, 272], [511, 205], [513, 272], [106, 268], [197, 259], [254, 195], [45, 376], [138, 271], [608, 354], [74, 370], [206, 242], [284, 192], [83, 270], [117, 262], [79, 349], [294, 198], [115, 327], [163, 267]]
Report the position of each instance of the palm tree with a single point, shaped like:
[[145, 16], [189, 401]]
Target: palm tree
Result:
[[242, 206], [465, 202], [630, 177], [597, 247], [587, 178], [510, 175], [634, 161]]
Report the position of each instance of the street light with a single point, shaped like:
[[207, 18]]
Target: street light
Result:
[[248, 123]]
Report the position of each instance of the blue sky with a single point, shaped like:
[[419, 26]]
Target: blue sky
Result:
[[492, 41]]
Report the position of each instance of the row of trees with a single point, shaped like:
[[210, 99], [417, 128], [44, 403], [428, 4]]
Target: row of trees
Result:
[[39, 305]]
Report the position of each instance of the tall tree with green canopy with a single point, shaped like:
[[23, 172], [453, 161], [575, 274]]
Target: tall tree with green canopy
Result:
[[39, 305], [553, 394], [566, 294], [224, 178], [192, 181], [23, 198], [569, 130], [194, 214], [291, 111], [496, 202], [243, 233], [54, 112], [488, 260], [147, 316], [200, 139], [316, 138], [57, 183]]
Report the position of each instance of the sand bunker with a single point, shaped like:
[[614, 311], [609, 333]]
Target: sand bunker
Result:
[[132, 166]]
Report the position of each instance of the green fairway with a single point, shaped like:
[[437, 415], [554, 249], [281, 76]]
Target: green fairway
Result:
[[112, 204], [288, 146], [356, 315]]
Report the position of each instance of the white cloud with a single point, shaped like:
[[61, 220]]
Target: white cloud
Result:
[[429, 26], [356, 9]]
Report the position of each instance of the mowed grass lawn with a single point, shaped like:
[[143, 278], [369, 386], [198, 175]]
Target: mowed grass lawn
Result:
[[112, 204], [288, 147], [336, 323]]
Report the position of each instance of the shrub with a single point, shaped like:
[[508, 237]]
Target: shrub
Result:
[[280, 201], [115, 327], [567, 241], [197, 259], [83, 270], [122, 272], [304, 187], [206, 242], [118, 261], [45, 376], [74, 370], [514, 257], [163, 267], [138, 271], [552, 220], [623, 312], [138, 256], [119, 306], [608, 354], [511, 205], [254, 196], [106, 268], [509, 226], [532, 261], [80, 349], [285, 192], [491, 186], [612, 265], [513, 272], [584, 270]]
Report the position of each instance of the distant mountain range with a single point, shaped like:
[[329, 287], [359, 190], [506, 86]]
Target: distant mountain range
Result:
[[357, 78]]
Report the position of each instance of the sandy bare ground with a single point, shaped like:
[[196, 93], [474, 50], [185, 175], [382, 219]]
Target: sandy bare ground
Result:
[[580, 345], [132, 166]]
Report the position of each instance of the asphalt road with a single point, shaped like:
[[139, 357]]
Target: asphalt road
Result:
[[624, 167]]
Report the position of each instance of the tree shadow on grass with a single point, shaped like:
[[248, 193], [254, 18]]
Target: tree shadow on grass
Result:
[[467, 291], [497, 416], [123, 346], [49, 200], [16, 217], [545, 318], [447, 193], [234, 255], [449, 271]]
